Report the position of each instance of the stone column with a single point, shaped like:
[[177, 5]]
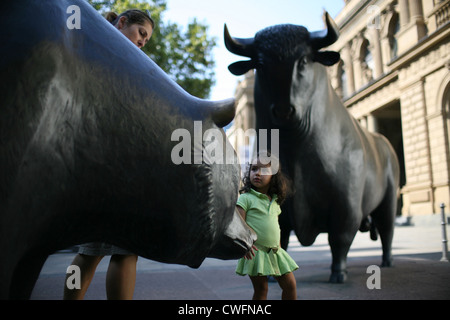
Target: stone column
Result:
[[372, 125], [414, 28], [375, 47], [357, 59], [416, 13], [348, 66], [404, 12]]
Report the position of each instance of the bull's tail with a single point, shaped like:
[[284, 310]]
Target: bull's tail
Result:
[[368, 225], [373, 232]]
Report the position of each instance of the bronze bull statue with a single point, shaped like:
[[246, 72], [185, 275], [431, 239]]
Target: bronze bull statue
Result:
[[345, 178], [86, 124]]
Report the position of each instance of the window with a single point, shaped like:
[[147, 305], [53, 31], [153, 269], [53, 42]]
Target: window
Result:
[[344, 82], [392, 36], [368, 64]]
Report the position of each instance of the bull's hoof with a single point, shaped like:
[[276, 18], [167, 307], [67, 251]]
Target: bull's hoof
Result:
[[387, 263], [338, 277], [365, 225], [373, 234]]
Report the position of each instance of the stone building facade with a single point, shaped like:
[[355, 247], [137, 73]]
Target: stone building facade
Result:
[[394, 77]]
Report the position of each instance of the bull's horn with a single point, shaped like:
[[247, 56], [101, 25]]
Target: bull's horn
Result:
[[239, 46], [324, 38], [223, 112]]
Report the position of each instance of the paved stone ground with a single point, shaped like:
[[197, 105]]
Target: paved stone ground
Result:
[[417, 274]]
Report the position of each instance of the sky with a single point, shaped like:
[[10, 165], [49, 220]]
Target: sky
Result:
[[244, 18]]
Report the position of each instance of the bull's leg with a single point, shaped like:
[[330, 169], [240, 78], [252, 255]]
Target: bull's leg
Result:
[[384, 220], [285, 224], [25, 275], [340, 243], [284, 239], [5, 280]]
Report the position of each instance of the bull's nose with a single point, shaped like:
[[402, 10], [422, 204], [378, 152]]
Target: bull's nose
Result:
[[236, 241], [282, 112]]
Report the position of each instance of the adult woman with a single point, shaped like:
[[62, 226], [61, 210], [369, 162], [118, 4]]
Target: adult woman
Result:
[[134, 24], [138, 27]]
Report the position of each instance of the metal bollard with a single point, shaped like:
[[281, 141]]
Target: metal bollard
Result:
[[444, 234]]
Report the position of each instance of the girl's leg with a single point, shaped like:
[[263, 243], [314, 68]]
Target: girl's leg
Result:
[[121, 277], [260, 287], [288, 285], [87, 265]]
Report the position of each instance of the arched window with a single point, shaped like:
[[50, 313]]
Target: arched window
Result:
[[344, 81], [368, 64], [392, 36], [446, 100], [446, 108]]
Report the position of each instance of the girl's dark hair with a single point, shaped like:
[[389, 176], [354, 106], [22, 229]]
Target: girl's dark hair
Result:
[[133, 16], [279, 183]]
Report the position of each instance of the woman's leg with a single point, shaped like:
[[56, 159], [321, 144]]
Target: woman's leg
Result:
[[121, 277], [260, 287], [87, 265], [288, 286]]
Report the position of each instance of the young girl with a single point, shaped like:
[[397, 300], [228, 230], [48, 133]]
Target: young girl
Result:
[[259, 205]]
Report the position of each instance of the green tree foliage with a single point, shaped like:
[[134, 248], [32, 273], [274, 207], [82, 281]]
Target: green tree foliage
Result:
[[185, 54]]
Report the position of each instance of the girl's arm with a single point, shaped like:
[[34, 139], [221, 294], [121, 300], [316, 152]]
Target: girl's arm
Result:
[[249, 255], [242, 212]]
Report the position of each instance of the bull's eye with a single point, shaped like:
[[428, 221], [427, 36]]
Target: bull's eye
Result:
[[303, 61], [260, 61], [301, 64]]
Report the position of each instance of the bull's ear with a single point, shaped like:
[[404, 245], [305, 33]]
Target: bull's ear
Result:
[[241, 67], [327, 58]]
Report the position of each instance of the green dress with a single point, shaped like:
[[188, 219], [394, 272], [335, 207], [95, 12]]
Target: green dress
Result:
[[262, 216]]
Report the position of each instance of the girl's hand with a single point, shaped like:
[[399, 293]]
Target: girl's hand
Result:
[[249, 255]]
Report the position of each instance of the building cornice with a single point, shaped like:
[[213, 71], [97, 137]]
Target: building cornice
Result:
[[371, 88], [418, 49]]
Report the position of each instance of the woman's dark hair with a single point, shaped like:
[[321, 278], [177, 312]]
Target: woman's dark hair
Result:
[[279, 183], [133, 16]]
